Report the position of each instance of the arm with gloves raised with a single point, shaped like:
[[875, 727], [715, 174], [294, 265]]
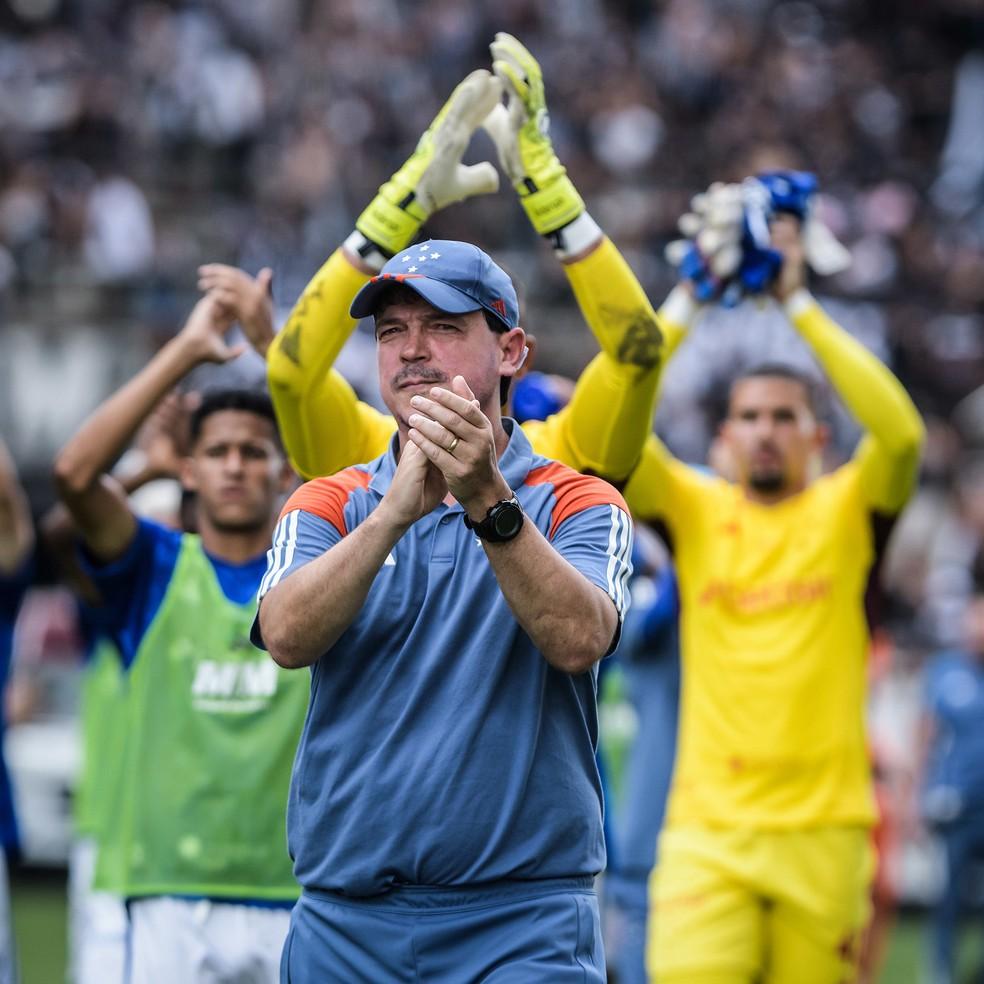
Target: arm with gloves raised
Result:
[[324, 425], [894, 432], [635, 340], [607, 291]]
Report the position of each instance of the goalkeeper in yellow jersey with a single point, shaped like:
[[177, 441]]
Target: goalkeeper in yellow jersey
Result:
[[326, 428], [765, 859]]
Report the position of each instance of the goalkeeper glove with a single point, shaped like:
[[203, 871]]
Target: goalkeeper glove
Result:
[[727, 254], [711, 254], [521, 136], [796, 192], [433, 176]]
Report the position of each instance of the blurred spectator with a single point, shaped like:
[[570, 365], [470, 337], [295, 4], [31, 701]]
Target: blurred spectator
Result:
[[958, 187], [119, 234], [958, 539], [953, 788]]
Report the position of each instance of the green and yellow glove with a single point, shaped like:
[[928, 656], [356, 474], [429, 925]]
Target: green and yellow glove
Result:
[[521, 136], [433, 175]]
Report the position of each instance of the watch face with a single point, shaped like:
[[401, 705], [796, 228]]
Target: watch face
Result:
[[508, 520]]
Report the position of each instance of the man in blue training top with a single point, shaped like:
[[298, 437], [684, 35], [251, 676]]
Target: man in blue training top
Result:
[[211, 725], [952, 753], [453, 598], [650, 660]]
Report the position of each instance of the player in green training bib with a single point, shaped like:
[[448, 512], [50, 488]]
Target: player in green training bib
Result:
[[211, 724]]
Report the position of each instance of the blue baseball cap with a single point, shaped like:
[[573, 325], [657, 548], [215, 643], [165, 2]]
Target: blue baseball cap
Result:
[[453, 277]]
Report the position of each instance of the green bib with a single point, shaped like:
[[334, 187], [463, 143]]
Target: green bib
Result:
[[103, 718], [213, 724]]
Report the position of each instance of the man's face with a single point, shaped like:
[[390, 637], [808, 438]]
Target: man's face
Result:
[[772, 435], [237, 470], [419, 347]]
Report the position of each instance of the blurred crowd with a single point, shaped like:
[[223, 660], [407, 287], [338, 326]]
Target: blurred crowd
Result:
[[139, 139], [136, 138]]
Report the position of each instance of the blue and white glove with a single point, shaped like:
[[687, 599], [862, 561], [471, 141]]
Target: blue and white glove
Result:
[[795, 192], [727, 254], [711, 254]]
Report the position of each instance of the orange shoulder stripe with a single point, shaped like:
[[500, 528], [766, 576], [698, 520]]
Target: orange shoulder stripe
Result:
[[573, 492], [327, 497]]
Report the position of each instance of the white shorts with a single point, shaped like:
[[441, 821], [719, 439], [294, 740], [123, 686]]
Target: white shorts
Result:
[[97, 926], [204, 942]]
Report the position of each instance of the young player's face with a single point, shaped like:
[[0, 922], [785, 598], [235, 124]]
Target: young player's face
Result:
[[237, 470], [419, 347], [772, 435]]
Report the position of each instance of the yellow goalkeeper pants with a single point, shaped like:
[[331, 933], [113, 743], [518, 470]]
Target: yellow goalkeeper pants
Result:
[[759, 907]]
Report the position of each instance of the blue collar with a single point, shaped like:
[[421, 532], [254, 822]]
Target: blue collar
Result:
[[515, 463]]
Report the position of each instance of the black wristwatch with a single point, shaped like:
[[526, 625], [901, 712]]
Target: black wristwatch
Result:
[[502, 522]]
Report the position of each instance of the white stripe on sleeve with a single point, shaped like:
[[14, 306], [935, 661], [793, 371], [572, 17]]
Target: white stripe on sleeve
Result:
[[285, 546], [619, 554], [610, 572], [626, 563], [272, 554]]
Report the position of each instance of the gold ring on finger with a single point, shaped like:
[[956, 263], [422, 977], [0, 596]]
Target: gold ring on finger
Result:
[[452, 445]]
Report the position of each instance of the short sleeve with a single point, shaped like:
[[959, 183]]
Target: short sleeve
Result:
[[133, 586], [299, 538], [590, 528], [597, 541], [311, 523]]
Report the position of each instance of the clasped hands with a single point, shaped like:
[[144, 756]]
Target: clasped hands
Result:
[[450, 448]]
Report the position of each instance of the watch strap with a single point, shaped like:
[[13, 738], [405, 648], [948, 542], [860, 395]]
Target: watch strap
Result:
[[487, 529]]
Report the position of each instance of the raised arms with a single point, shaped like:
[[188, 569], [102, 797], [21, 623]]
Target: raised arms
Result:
[[96, 501]]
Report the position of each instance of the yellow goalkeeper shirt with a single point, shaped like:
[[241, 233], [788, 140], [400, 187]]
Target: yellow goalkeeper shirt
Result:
[[774, 636], [325, 426]]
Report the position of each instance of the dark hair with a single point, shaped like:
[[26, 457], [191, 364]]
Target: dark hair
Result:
[[250, 401], [783, 370], [498, 326], [394, 294]]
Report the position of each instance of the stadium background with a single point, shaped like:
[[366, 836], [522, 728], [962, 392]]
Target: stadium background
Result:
[[138, 140]]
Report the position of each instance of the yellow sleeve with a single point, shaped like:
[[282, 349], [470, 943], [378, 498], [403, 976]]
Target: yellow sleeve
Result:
[[888, 455], [649, 490], [324, 425], [604, 427], [661, 489], [331, 428], [618, 312]]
